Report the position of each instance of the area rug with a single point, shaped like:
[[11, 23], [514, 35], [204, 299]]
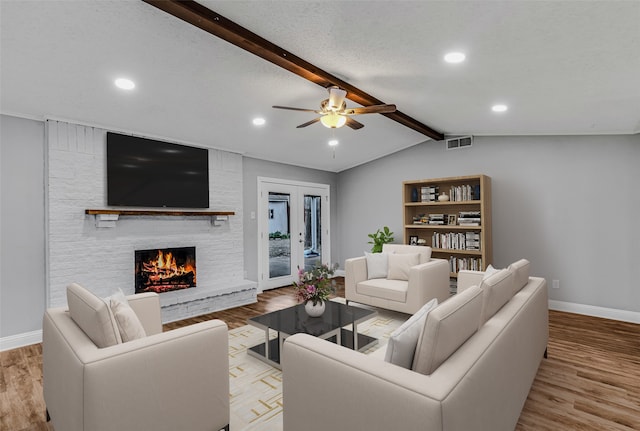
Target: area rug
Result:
[[256, 387]]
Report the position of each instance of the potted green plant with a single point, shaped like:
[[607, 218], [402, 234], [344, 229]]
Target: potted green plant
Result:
[[380, 237]]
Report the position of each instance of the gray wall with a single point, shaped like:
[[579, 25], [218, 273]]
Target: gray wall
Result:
[[566, 203], [254, 168], [22, 252], [569, 204]]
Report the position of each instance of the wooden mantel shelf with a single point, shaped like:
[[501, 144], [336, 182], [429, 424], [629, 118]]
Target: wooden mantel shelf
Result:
[[159, 212], [109, 217]]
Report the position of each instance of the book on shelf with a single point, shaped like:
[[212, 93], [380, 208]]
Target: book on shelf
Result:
[[429, 193], [469, 218]]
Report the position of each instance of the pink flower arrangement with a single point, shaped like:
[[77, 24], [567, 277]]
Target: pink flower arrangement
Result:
[[315, 285]]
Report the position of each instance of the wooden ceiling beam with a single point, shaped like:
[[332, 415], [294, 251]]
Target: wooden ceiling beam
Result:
[[217, 25]]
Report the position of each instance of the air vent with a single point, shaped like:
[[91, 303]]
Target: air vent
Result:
[[461, 142]]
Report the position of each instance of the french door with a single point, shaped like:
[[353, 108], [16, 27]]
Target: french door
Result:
[[293, 230]]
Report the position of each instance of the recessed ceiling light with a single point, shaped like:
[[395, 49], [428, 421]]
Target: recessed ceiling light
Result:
[[333, 142], [125, 84], [259, 121], [454, 57], [499, 108]]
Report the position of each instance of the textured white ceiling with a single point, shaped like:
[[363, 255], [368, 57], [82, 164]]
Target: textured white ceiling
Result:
[[563, 67]]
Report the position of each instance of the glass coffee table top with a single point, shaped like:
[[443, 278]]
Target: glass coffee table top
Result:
[[329, 326]]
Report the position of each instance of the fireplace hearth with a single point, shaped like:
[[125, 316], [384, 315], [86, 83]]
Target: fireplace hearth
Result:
[[164, 270]]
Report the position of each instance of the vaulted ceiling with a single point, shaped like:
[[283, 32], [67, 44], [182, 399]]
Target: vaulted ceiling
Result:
[[561, 67]]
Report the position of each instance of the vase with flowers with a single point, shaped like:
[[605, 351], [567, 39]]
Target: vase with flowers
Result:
[[314, 287]]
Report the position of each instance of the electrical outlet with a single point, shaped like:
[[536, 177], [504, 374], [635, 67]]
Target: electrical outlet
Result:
[[555, 284]]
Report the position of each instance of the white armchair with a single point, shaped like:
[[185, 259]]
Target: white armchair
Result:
[[406, 288], [164, 381]]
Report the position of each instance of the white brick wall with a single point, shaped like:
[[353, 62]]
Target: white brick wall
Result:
[[102, 259]]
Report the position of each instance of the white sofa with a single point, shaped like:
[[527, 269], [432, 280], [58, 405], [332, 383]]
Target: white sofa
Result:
[[163, 381], [467, 374], [426, 280]]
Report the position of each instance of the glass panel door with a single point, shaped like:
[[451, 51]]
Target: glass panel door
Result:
[[279, 234], [312, 231], [293, 230]]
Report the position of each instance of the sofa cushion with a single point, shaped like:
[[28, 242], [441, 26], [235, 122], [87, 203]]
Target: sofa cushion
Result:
[[447, 327], [93, 316], [423, 251], [520, 270], [393, 290], [401, 347], [400, 265], [377, 265], [129, 324], [497, 291]]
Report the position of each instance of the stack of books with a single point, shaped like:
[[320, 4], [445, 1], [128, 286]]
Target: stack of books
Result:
[[429, 193], [469, 218], [437, 218], [472, 241]]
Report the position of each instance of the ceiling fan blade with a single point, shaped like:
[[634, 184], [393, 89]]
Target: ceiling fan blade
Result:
[[308, 123], [353, 124], [296, 109], [336, 97], [373, 109]]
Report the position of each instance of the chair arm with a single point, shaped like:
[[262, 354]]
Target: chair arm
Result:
[[468, 278], [147, 308], [360, 392], [427, 281], [149, 383], [355, 271]]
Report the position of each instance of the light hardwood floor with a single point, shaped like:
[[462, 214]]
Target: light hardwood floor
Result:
[[590, 380]]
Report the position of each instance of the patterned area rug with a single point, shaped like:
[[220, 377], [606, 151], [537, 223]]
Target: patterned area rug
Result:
[[256, 387]]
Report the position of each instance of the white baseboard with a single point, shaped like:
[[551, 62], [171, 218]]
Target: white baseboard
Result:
[[20, 340], [595, 311], [339, 273]]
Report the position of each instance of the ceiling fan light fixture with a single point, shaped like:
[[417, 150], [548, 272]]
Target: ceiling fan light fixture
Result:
[[333, 120]]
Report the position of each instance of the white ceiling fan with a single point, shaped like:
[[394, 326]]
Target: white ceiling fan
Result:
[[334, 112]]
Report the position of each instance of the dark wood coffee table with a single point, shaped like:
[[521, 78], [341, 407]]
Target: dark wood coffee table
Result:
[[329, 326]]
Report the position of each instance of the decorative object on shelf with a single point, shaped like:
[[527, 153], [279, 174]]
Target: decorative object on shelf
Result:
[[380, 237], [443, 197], [452, 219], [414, 194], [413, 240], [314, 287]]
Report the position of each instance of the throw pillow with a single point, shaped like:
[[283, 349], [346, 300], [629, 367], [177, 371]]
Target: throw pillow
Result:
[[403, 341], [129, 324], [400, 264], [93, 316], [520, 271], [489, 272], [447, 328], [377, 265], [497, 291]]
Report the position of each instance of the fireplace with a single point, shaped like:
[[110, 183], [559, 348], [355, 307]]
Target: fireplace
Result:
[[165, 270]]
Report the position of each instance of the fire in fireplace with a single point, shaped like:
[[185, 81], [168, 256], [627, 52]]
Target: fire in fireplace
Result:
[[165, 270]]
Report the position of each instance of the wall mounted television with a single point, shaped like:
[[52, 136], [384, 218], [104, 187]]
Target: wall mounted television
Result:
[[144, 172]]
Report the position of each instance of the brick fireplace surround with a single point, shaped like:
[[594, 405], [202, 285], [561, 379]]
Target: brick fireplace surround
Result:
[[102, 259]]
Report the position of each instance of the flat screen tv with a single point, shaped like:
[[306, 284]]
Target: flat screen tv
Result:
[[148, 173]]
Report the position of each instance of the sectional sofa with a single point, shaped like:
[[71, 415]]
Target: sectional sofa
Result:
[[474, 364]]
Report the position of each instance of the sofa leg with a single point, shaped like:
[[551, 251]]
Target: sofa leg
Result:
[[546, 355], [226, 428], [347, 301], [47, 413]]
